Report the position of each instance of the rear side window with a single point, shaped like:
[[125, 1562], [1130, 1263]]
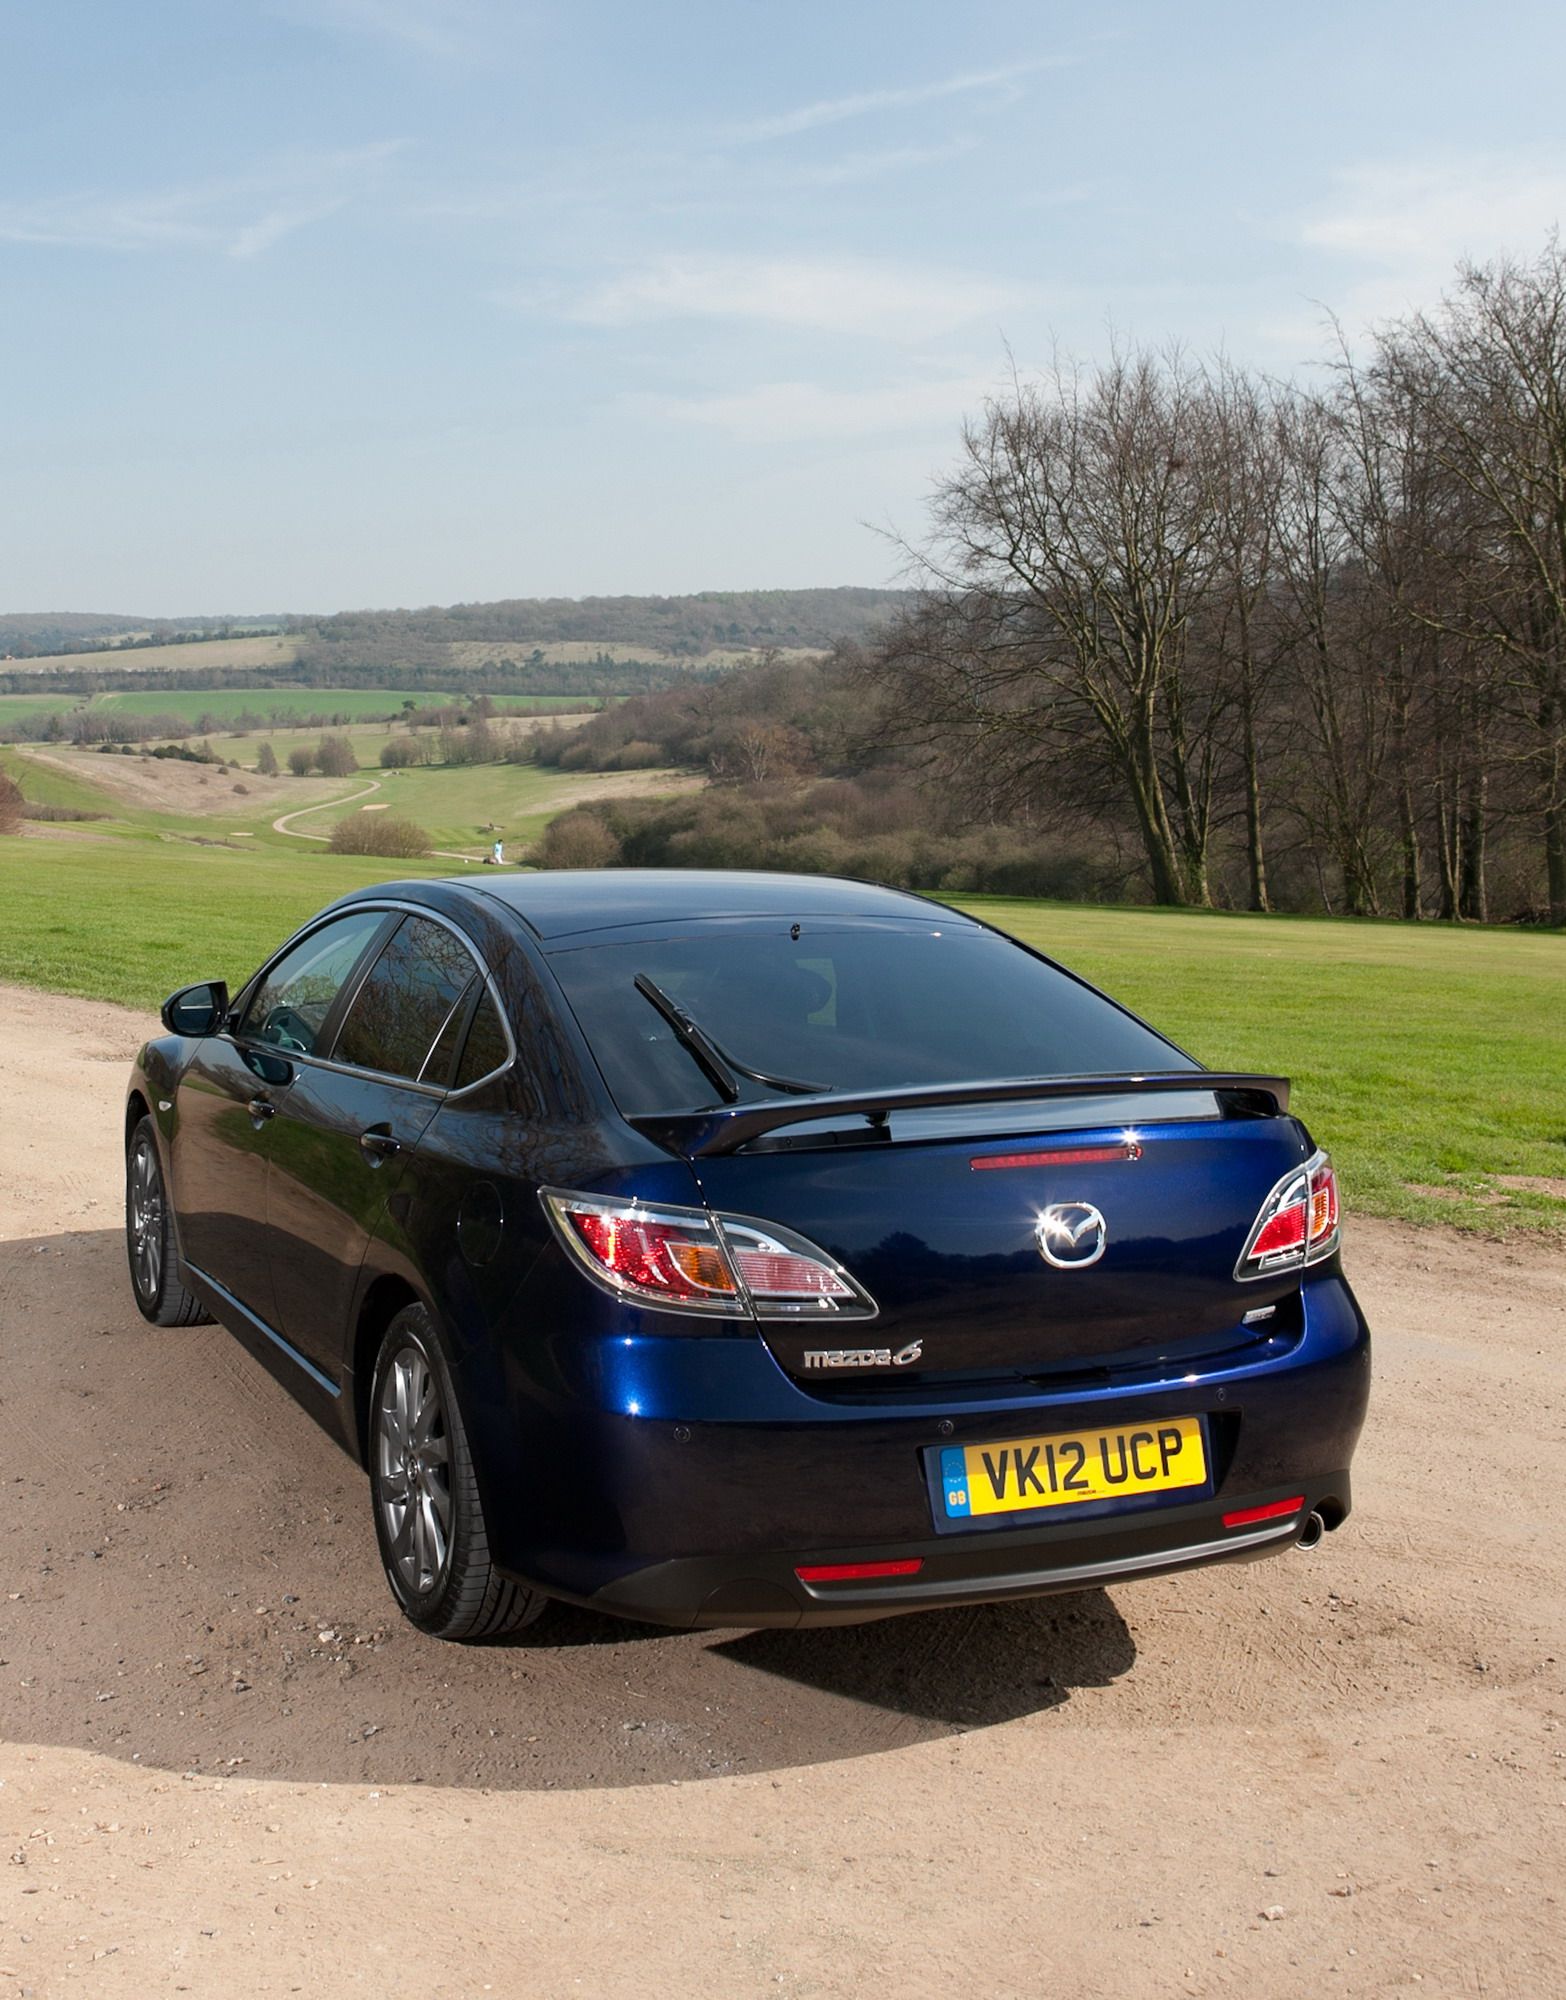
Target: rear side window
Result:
[[437, 1064], [486, 1046], [844, 1009], [406, 1000], [290, 1006]]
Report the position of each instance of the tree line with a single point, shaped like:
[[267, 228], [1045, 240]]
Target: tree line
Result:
[[689, 626], [1192, 635], [1278, 642]]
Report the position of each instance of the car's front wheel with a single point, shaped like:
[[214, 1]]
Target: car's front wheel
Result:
[[149, 1237], [429, 1519]]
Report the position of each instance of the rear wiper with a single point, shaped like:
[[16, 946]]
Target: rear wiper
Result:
[[715, 1063]]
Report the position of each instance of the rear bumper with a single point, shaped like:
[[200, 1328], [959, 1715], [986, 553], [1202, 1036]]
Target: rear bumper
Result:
[[765, 1590], [685, 1480]]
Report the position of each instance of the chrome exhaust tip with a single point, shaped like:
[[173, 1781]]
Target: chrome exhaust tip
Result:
[[1311, 1532]]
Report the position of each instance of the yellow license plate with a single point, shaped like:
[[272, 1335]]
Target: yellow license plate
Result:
[[1025, 1473]]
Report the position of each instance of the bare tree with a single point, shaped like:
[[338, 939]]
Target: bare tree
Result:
[[1489, 372], [1074, 545]]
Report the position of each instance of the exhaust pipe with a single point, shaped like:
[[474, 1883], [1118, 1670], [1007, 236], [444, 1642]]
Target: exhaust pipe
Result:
[[1311, 1533]]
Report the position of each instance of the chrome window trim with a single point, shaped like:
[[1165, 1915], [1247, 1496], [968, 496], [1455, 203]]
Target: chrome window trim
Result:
[[463, 999], [386, 1076]]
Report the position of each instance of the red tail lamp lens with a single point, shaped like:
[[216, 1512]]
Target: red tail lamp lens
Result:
[[655, 1256], [1297, 1223], [692, 1261], [1286, 1230], [857, 1572]]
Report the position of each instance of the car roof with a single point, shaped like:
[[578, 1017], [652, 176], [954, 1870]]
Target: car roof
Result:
[[559, 902]]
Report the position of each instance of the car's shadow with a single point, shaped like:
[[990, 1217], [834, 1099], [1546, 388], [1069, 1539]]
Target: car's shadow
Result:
[[192, 1582]]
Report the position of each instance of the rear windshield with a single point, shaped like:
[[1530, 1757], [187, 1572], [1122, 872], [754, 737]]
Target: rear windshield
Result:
[[846, 1010]]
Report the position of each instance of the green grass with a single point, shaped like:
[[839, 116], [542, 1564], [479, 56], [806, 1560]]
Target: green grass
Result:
[[454, 803], [297, 703], [1422, 1056], [127, 921], [20, 707], [48, 785]]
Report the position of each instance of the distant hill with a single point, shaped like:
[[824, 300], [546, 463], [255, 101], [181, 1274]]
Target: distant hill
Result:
[[710, 621], [553, 645], [26, 635]]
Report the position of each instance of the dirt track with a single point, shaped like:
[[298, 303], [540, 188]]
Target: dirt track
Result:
[[225, 1769]]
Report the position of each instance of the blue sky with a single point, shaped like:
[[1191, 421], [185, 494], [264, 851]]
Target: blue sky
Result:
[[315, 303]]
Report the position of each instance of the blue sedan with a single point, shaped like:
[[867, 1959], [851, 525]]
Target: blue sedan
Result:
[[739, 1249]]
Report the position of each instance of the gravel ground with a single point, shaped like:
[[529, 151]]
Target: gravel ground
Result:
[[226, 1768]]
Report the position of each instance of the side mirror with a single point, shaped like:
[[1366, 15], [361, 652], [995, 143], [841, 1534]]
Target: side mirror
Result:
[[197, 1010]]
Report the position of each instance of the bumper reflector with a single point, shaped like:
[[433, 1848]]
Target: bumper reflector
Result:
[[1273, 1511], [856, 1572]]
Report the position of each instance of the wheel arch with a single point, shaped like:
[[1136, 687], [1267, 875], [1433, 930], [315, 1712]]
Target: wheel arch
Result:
[[384, 1298], [136, 1108]]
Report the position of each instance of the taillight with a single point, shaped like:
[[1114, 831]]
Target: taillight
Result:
[[1298, 1223], [691, 1261]]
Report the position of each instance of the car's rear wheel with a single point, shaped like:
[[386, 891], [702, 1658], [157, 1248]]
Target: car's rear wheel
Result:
[[149, 1237], [429, 1519]]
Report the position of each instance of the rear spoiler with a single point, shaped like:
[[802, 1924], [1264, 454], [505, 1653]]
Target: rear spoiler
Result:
[[726, 1128]]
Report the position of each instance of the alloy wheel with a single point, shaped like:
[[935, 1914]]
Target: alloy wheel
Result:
[[146, 1219], [413, 1466]]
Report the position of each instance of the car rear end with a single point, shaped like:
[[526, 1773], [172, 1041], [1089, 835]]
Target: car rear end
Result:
[[891, 1337]]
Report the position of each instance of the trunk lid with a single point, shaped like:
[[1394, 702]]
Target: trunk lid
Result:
[[949, 1247]]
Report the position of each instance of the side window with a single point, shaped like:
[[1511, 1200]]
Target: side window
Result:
[[485, 1049], [405, 1000], [438, 1063], [289, 1008]]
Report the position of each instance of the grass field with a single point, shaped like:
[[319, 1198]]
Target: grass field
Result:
[[298, 702], [1424, 1057], [1431, 1061], [281, 707], [256, 649], [18, 707], [457, 805], [130, 921]]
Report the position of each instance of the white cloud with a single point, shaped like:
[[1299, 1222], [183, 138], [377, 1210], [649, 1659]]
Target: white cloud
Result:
[[783, 412], [240, 217], [866, 103], [1408, 224], [837, 295]]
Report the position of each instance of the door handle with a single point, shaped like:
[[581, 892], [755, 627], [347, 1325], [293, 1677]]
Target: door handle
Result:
[[260, 1109], [378, 1144]]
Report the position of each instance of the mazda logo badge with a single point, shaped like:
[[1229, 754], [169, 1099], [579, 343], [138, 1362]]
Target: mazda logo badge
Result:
[[1071, 1235]]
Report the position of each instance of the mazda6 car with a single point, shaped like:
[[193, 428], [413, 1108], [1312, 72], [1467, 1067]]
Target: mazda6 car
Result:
[[742, 1249]]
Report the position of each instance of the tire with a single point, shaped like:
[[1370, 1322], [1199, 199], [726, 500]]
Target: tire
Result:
[[429, 1520], [149, 1237]]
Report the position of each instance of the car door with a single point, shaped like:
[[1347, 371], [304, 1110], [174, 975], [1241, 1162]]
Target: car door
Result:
[[228, 1098], [349, 1124]]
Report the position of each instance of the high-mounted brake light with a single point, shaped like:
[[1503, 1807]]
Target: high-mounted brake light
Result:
[[1298, 1223], [1058, 1156], [691, 1261]]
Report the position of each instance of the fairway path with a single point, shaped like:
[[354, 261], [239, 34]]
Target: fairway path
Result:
[[281, 824]]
